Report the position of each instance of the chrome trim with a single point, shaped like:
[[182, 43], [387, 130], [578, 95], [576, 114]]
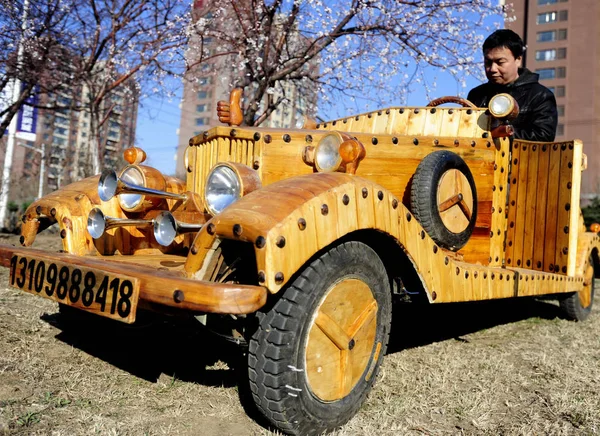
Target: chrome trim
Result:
[[110, 185]]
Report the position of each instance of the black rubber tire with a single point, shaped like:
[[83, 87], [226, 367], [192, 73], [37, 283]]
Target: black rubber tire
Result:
[[277, 349], [571, 304], [423, 198]]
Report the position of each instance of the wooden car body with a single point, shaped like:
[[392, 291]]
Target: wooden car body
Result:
[[529, 238]]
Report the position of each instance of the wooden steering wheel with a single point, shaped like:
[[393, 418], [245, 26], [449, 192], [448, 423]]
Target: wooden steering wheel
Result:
[[451, 99]]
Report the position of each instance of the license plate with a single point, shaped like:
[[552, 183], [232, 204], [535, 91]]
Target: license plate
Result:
[[112, 295]]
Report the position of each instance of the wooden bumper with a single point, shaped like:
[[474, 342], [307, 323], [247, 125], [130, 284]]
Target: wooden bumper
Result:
[[161, 287]]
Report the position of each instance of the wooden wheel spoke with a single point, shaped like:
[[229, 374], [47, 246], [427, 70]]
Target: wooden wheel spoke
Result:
[[333, 331], [465, 209], [452, 201], [346, 382], [365, 317]]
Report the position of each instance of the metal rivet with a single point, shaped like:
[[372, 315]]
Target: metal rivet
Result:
[[451, 111], [518, 262], [324, 209], [24, 218], [564, 269], [345, 199], [280, 242], [279, 278], [466, 274], [569, 185], [422, 234], [566, 229], [53, 212], [567, 206], [261, 277], [287, 138], [485, 135], [432, 110], [194, 250], [374, 141], [457, 270], [436, 142], [415, 141], [380, 195], [63, 233], [408, 216], [256, 165], [456, 142], [301, 223], [38, 210], [473, 143], [205, 134], [395, 203], [211, 229], [256, 136], [308, 138], [260, 242], [237, 229], [416, 111], [233, 132], [401, 111], [22, 240], [387, 112], [435, 249], [394, 140], [565, 250], [351, 344], [365, 192], [267, 139], [178, 296], [469, 111], [446, 260], [433, 295], [189, 169]]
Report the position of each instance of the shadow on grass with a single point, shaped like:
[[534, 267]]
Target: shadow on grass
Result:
[[182, 349], [418, 325]]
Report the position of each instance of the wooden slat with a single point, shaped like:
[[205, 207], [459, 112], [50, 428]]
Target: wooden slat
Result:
[[574, 218], [540, 206], [531, 213], [552, 208], [564, 208], [521, 205]]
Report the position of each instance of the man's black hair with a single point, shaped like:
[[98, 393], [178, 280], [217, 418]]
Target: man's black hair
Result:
[[505, 38]]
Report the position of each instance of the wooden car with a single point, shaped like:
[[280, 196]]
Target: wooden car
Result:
[[295, 241]]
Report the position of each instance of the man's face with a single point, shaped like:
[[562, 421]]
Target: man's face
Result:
[[501, 67]]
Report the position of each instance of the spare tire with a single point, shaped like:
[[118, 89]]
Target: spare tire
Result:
[[444, 199]]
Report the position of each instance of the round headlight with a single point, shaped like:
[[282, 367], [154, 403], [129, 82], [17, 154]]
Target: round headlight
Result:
[[134, 176], [327, 153], [223, 187], [96, 223], [165, 228], [501, 105]]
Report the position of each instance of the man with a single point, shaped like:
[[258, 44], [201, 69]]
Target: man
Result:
[[503, 55]]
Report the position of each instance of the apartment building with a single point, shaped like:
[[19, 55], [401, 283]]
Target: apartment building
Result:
[[563, 47]]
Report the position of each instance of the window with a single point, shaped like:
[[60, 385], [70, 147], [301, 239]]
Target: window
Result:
[[560, 91], [201, 121], [552, 73], [549, 2], [551, 17], [551, 54], [552, 35], [203, 80], [560, 130], [201, 108], [561, 110], [203, 94]]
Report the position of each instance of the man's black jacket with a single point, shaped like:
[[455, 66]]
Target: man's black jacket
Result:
[[537, 118]]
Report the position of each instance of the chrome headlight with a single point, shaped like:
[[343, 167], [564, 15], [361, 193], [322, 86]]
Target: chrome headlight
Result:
[[96, 223], [107, 185], [165, 228], [327, 153], [223, 187], [132, 175], [503, 105]]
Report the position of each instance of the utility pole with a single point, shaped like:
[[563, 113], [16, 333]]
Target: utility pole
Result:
[[42, 152], [12, 128]]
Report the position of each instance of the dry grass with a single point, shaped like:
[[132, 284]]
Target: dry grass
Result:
[[494, 368]]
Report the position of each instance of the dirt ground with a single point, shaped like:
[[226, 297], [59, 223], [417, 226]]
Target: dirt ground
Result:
[[505, 367]]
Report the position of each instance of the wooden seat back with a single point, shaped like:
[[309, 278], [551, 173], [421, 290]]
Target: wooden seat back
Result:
[[543, 206]]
